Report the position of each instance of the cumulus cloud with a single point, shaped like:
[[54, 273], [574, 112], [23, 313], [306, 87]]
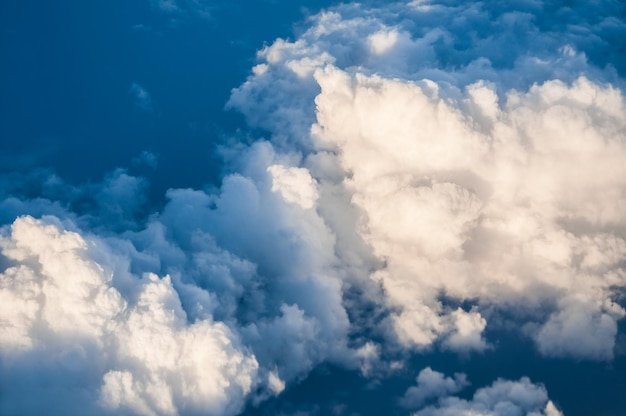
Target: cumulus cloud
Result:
[[250, 265], [502, 398], [61, 307], [429, 166], [147, 159], [442, 194], [292, 312], [115, 203], [492, 178]]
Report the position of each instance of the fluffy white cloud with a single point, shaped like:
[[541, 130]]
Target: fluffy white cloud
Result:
[[294, 184], [502, 398], [483, 210], [61, 305], [492, 178], [252, 264], [422, 156]]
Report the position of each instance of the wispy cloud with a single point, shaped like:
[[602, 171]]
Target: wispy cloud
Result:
[[143, 100], [180, 8]]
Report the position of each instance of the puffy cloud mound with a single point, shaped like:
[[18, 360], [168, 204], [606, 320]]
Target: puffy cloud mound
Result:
[[62, 314], [502, 398], [471, 173], [432, 384]]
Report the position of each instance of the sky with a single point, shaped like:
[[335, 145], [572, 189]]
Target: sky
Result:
[[313, 207]]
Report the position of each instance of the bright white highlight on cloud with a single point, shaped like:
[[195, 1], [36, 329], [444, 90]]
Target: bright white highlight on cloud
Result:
[[294, 184], [380, 42], [60, 303]]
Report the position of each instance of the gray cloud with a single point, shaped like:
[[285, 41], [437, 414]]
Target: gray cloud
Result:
[[62, 312], [432, 384], [182, 8], [502, 398]]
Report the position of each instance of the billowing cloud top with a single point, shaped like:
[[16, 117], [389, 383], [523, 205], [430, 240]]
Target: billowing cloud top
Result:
[[480, 171], [433, 171]]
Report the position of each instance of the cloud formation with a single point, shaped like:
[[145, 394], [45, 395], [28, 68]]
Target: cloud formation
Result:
[[496, 180], [432, 384], [431, 170], [61, 307], [502, 398]]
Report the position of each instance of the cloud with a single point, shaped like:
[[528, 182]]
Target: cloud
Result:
[[432, 384], [253, 274], [290, 291], [254, 280], [294, 184], [431, 168], [143, 100], [489, 178], [63, 314], [502, 398], [182, 8], [442, 194]]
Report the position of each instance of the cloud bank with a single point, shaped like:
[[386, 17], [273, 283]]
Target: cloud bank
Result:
[[431, 171], [484, 178], [502, 398]]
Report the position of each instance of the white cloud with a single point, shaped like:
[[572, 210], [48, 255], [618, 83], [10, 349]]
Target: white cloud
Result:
[[422, 156], [263, 216], [140, 350], [491, 178], [294, 184], [441, 198], [467, 331], [380, 42], [502, 398]]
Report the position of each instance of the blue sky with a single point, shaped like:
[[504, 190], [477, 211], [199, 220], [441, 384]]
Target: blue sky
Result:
[[70, 68], [312, 208]]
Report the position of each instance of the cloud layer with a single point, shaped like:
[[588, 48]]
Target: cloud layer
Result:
[[431, 171]]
